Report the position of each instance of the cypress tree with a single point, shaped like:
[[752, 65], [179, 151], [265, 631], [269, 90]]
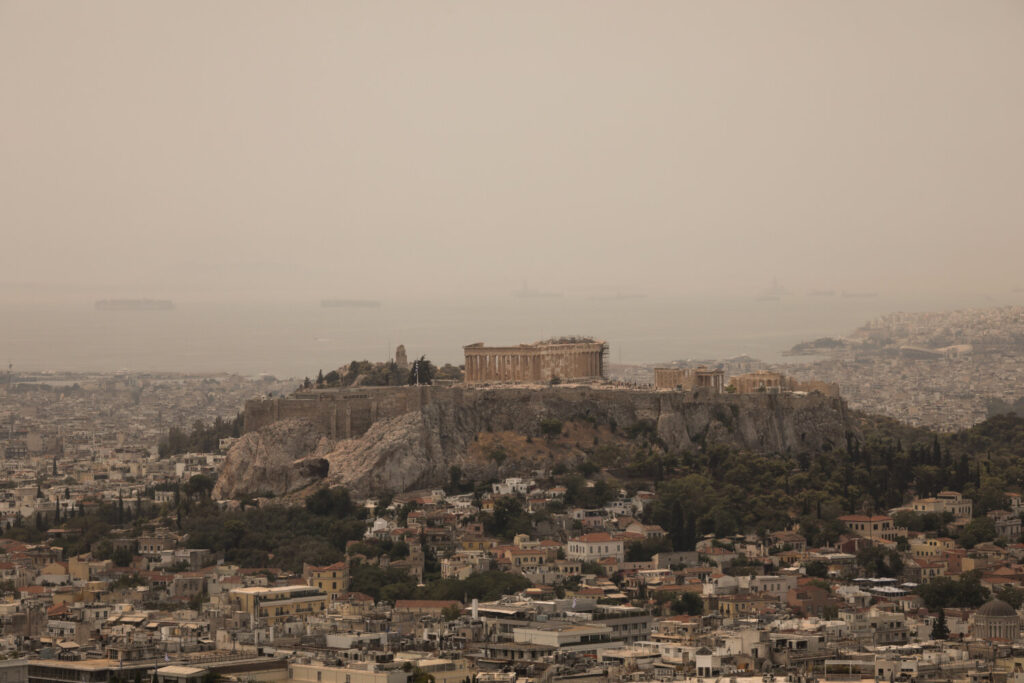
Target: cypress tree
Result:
[[939, 629], [691, 533], [677, 526]]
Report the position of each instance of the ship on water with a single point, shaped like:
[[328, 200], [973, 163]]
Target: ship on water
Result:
[[618, 296], [773, 293], [349, 303], [134, 305], [527, 293]]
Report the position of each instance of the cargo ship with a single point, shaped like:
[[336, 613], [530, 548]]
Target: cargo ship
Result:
[[349, 303], [527, 293], [135, 305]]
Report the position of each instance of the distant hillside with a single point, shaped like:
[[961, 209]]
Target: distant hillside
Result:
[[945, 370]]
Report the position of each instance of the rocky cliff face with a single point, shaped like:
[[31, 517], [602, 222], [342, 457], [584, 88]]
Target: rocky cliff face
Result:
[[283, 457], [418, 449]]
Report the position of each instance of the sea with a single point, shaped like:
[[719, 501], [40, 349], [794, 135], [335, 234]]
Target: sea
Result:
[[298, 338]]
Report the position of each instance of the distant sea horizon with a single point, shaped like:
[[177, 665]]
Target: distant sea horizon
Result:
[[296, 339]]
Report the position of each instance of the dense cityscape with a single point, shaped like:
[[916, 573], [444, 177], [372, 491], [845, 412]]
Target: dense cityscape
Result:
[[576, 341], [147, 533]]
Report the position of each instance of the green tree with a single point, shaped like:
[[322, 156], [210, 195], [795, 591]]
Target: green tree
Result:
[[978, 530], [508, 518], [122, 557], [550, 427], [943, 592], [332, 502], [688, 603], [420, 676], [199, 485], [422, 371], [450, 372], [817, 568], [940, 631], [878, 561], [643, 551], [1011, 595]]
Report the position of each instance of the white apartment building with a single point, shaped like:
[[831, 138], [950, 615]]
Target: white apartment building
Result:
[[594, 547]]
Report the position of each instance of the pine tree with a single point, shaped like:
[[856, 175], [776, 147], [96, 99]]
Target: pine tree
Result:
[[421, 372], [939, 629], [963, 472], [691, 533], [677, 526]]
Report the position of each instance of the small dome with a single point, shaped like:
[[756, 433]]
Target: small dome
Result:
[[996, 608]]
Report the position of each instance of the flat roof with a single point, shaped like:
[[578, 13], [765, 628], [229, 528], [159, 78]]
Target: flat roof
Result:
[[180, 671], [81, 665], [274, 590], [565, 628]]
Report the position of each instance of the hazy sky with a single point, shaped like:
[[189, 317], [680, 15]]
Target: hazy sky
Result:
[[382, 149]]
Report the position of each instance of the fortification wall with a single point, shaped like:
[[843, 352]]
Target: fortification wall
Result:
[[349, 413], [341, 413]]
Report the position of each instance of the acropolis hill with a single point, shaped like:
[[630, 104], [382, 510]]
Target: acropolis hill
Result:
[[389, 439]]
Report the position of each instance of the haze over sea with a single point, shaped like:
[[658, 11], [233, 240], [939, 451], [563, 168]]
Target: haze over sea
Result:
[[295, 339]]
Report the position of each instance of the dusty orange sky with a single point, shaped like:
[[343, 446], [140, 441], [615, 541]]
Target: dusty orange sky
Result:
[[451, 147]]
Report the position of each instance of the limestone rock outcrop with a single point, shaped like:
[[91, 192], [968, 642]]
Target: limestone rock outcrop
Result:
[[418, 449], [279, 459]]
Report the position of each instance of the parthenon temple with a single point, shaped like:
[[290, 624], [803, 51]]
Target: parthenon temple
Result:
[[566, 359]]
